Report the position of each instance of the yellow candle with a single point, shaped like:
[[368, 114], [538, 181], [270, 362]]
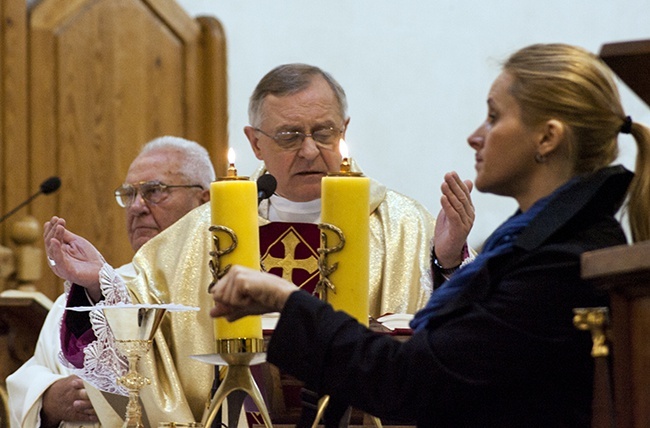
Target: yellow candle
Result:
[[345, 204], [234, 205]]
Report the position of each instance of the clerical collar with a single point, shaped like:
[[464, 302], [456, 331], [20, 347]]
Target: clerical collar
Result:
[[282, 209]]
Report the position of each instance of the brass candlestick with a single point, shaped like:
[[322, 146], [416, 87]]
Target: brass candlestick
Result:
[[133, 328], [237, 354]]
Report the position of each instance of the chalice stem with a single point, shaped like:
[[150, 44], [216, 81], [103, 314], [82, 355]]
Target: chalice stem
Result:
[[134, 381], [133, 412], [134, 328]]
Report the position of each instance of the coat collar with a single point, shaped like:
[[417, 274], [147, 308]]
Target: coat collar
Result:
[[602, 191]]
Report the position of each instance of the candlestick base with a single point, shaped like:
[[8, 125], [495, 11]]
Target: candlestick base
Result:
[[322, 406], [238, 377]]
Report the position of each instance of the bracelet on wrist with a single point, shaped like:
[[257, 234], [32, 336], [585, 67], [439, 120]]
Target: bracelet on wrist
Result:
[[443, 270]]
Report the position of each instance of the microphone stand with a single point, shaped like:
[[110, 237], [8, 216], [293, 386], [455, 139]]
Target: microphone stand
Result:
[[10, 213]]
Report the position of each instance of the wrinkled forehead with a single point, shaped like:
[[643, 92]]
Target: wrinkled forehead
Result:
[[157, 165]]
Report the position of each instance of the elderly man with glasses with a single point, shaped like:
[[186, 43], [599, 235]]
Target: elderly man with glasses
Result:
[[169, 177], [298, 115]]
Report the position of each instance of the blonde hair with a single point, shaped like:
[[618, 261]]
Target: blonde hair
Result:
[[570, 84]]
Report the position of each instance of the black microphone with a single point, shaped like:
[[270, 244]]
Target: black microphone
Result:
[[50, 185], [266, 185]]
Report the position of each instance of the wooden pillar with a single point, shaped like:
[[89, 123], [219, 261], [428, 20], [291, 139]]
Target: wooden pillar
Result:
[[624, 273]]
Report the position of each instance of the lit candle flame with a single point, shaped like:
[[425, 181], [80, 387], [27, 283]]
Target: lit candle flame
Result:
[[232, 171], [343, 149]]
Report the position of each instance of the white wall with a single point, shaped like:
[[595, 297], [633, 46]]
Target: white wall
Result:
[[416, 72]]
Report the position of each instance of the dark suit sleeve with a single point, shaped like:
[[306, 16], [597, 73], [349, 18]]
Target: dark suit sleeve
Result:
[[514, 339], [334, 354]]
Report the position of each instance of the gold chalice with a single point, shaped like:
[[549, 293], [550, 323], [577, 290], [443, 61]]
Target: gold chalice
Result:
[[134, 327]]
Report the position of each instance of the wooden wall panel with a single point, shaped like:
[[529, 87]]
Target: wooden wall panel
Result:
[[214, 101], [106, 76], [43, 127], [3, 163], [14, 165], [104, 115]]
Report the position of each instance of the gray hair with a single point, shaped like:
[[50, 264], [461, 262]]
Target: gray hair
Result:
[[289, 79], [196, 165]]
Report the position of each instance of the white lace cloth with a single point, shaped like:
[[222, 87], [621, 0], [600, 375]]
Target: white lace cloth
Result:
[[103, 365]]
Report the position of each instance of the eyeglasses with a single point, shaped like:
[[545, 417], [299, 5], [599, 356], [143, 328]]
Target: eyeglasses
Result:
[[153, 192], [292, 140]]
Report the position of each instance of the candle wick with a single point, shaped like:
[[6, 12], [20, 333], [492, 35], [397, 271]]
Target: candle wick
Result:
[[232, 171]]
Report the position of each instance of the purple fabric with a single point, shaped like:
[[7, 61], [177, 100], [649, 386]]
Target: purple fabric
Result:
[[76, 330], [73, 347]]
